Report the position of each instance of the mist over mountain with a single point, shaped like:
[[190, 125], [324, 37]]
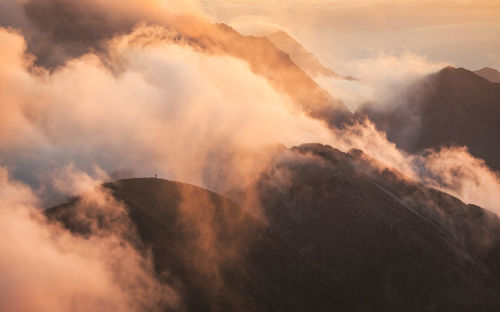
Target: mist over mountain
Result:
[[278, 66], [451, 107], [341, 234], [219, 257], [286, 200], [58, 31], [405, 246]]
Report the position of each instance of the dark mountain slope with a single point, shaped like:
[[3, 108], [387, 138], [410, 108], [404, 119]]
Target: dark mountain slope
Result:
[[408, 248], [488, 73], [451, 107], [343, 235], [216, 256]]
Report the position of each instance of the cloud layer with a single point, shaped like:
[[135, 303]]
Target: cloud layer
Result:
[[171, 109]]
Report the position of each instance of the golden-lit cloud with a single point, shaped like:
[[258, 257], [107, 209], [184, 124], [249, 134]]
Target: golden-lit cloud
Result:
[[171, 109], [44, 267], [192, 116], [452, 169], [138, 87]]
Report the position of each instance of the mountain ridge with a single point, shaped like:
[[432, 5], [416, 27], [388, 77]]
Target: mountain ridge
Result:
[[341, 234], [251, 268]]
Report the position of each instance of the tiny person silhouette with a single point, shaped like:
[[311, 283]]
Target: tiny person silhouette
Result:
[[156, 177]]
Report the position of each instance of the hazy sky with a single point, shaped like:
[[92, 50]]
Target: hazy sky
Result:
[[462, 33]]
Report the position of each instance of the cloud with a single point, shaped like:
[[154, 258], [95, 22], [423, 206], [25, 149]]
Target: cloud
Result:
[[164, 107], [171, 109], [138, 98], [364, 136], [59, 30], [457, 172], [190, 116], [452, 169], [43, 267], [381, 80]]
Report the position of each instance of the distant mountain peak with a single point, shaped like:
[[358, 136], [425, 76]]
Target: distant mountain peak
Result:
[[488, 69], [489, 73], [455, 70], [448, 68], [301, 56]]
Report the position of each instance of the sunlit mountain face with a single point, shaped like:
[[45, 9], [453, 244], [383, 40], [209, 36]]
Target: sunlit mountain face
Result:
[[245, 156]]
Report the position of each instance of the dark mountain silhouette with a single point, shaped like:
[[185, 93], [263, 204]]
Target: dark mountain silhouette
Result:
[[489, 73], [342, 235], [404, 246], [302, 57], [218, 257], [451, 107]]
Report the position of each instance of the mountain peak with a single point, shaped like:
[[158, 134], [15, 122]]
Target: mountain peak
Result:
[[460, 76], [301, 56], [448, 68], [454, 106], [489, 73]]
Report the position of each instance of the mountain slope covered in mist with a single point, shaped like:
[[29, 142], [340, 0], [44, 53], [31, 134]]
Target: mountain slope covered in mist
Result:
[[406, 247], [451, 107], [342, 235], [277, 66], [216, 256]]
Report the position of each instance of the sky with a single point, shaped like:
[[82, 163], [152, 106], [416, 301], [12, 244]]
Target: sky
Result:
[[458, 32]]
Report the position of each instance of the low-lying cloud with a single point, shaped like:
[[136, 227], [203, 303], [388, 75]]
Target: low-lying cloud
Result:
[[450, 169], [170, 109], [380, 80], [44, 267], [164, 106]]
